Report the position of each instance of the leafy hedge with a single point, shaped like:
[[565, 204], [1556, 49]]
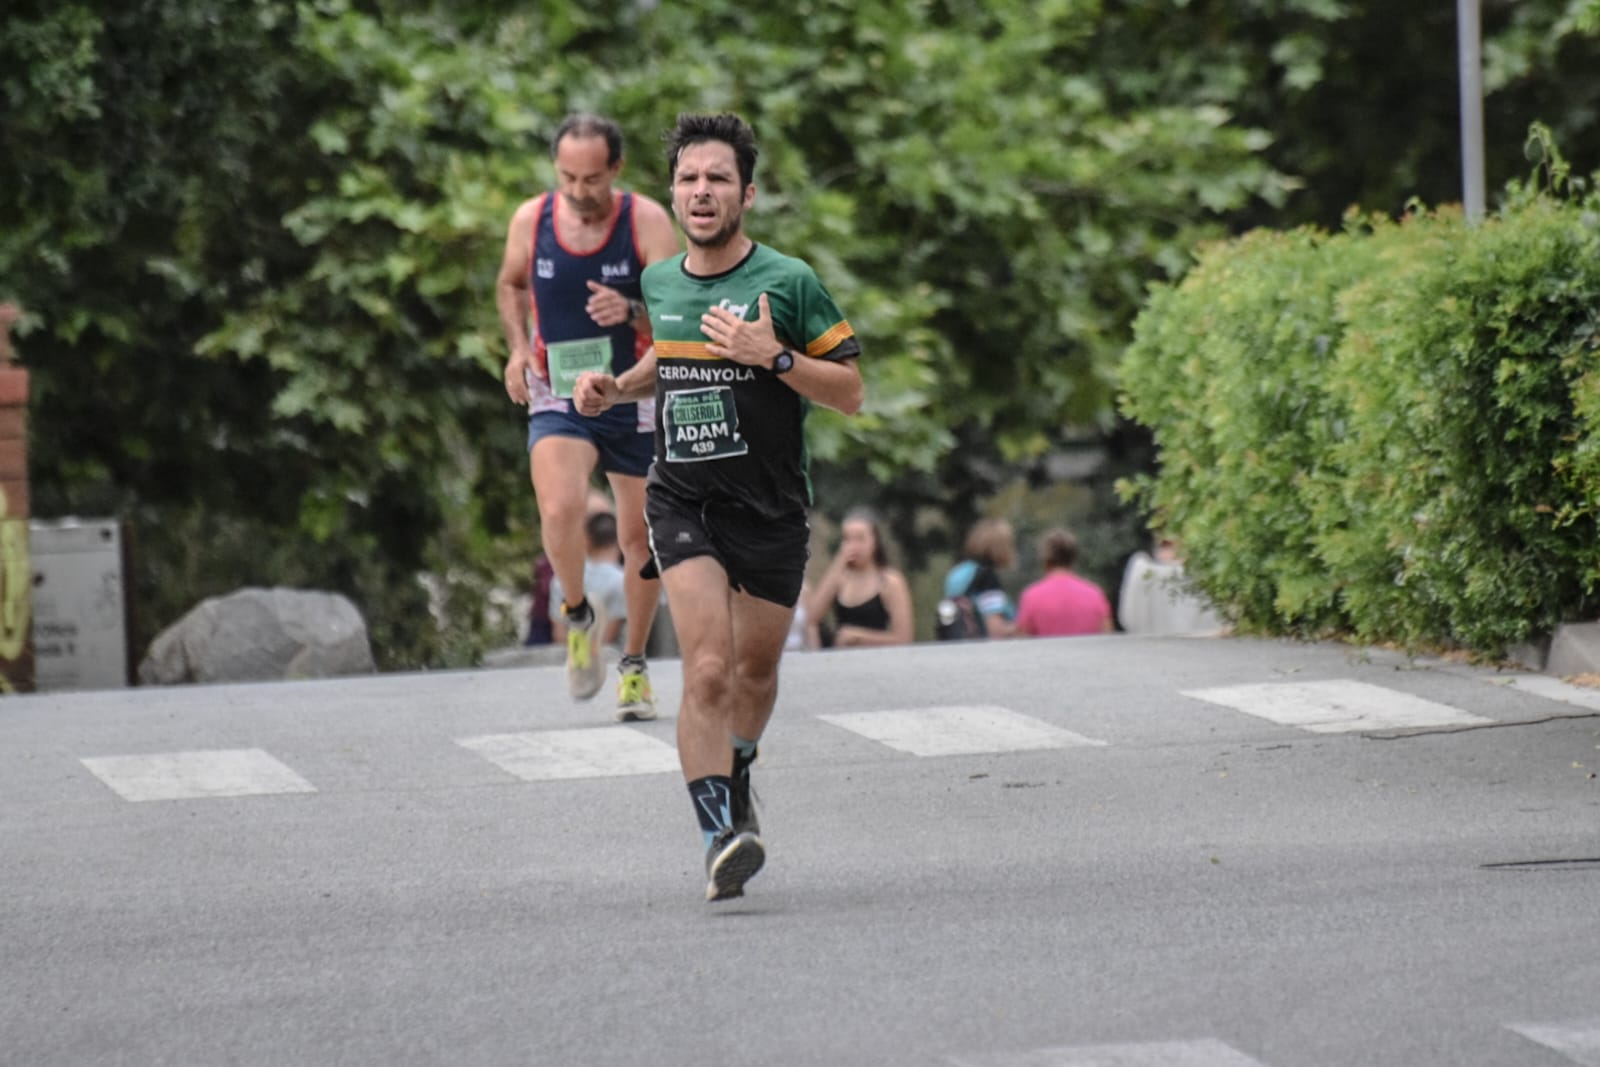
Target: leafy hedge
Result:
[[1391, 432]]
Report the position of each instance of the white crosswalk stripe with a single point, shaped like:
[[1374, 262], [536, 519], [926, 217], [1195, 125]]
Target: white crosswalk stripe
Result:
[[193, 775], [1333, 707], [958, 731], [600, 752], [1578, 1041], [1202, 1053]]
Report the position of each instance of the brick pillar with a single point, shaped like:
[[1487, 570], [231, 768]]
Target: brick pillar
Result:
[[16, 569]]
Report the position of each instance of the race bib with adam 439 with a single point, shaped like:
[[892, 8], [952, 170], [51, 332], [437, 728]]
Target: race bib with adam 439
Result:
[[701, 424]]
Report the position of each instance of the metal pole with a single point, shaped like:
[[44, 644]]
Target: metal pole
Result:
[[1469, 37]]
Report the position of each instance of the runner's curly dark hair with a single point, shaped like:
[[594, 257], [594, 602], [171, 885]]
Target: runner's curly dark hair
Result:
[[728, 128]]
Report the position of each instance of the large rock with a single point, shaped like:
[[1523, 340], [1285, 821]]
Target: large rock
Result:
[[261, 635]]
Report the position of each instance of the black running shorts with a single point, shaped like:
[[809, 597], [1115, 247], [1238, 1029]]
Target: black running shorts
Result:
[[763, 557]]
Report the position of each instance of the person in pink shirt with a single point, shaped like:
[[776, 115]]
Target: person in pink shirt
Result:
[[1062, 603]]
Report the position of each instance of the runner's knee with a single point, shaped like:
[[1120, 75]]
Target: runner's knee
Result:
[[562, 510], [707, 679], [634, 540], [757, 673]]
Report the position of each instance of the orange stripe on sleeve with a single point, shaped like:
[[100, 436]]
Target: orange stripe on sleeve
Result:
[[830, 339]]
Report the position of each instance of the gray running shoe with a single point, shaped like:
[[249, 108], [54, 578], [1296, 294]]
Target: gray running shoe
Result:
[[731, 861], [586, 656]]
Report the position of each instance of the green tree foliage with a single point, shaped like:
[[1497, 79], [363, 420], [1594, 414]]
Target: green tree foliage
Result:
[[128, 179], [990, 193], [149, 150], [257, 239], [258, 249], [382, 336], [1363, 99]]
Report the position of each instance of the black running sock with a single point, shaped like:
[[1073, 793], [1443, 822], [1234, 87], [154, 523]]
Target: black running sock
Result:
[[631, 663], [580, 616], [713, 804], [744, 754]]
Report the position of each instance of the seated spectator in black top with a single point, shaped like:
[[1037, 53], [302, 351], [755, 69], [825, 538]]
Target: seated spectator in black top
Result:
[[867, 600]]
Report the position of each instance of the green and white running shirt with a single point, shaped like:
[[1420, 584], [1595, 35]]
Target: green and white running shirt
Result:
[[725, 431]]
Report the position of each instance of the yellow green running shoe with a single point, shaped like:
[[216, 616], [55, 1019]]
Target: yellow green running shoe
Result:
[[586, 657], [635, 700]]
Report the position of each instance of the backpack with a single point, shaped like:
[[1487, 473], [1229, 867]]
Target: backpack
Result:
[[959, 619], [958, 616]]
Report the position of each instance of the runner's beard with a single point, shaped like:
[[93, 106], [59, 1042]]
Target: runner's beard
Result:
[[719, 239]]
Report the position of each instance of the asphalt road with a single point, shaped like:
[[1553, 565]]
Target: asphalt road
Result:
[[1094, 852]]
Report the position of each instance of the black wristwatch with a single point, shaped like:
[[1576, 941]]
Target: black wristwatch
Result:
[[783, 362]]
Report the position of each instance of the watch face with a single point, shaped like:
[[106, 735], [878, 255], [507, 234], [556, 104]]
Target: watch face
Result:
[[782, 363]]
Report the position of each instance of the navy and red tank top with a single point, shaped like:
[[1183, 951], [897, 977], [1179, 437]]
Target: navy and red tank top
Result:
[[559, 290]]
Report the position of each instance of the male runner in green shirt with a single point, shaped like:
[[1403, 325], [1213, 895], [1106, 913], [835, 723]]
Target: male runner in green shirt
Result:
[[745, 339]]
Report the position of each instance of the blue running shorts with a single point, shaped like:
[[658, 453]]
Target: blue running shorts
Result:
[[623, 448]]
